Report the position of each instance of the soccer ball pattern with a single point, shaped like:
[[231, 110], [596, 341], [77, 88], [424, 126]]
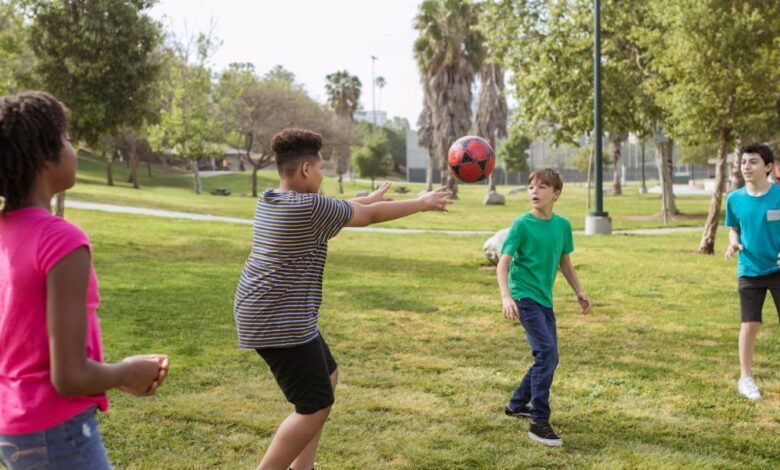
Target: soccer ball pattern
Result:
[[471, 159]]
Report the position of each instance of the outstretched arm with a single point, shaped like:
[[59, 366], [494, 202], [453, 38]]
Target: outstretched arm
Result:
[[567, 268], [383, 211]]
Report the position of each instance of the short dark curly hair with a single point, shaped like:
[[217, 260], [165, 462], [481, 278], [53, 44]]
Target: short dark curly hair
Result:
[[293, 145], [32, 125], [762, 150]]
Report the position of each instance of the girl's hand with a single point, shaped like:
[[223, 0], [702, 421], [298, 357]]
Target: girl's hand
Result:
[[144, 374]]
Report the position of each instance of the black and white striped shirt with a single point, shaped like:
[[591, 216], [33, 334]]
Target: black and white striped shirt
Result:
[[280, 290]]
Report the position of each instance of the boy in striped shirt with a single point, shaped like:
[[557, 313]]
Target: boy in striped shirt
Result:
[[280, 289]]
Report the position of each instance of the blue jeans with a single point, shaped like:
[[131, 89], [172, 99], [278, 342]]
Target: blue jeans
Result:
[[73, 444], [539, 324]]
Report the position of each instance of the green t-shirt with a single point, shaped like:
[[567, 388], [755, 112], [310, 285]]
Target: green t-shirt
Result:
[[536, 246]]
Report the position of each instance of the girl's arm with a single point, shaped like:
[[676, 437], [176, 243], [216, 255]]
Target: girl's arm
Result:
[[72, 373]]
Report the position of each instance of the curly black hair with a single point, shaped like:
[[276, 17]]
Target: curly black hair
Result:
[[292, 145], [31, 128]]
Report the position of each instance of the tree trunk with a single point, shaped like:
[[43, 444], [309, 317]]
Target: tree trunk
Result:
[[341, 183], [707, 244], [254, 180], [429, 172], [491, 180], [491, 183], [134, 167], [665, 175], [149, 167], [617, 189], [196, 176], [109, 169], [60, 205], [737, 180]]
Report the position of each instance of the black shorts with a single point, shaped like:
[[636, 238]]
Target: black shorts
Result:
[[303, 373], [752, 293]]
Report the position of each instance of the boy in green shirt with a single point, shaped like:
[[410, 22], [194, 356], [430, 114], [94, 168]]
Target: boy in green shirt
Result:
[[538, 243]]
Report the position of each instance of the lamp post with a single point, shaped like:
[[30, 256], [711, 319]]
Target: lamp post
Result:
[[643, 189], [373, 90], [597, 222]]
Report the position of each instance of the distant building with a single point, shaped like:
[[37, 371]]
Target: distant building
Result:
[[368, 116]]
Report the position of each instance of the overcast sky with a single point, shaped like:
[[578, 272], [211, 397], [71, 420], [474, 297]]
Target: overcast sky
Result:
[[313, 38]]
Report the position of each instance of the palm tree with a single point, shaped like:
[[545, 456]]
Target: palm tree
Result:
[[425, 137], [380, 83], [343, 92], [449, 53], [492, 110]]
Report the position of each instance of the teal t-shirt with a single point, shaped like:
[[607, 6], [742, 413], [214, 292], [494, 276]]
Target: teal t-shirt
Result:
[[758, 220], [536, 246]]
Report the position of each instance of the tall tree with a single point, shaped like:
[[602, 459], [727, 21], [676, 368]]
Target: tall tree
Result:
[[234, 93], [492, 110], [343, 90], [373, 159], [97, 56], [548, 46], [17, 60], [425, 135], [188, 119], [721, 60], [449, 52]]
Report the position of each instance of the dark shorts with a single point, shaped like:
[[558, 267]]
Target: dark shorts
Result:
[[752, 293], [303, 373]]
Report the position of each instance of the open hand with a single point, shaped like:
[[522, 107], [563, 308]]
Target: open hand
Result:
[[436, 199], [733, 248], [379, 194]]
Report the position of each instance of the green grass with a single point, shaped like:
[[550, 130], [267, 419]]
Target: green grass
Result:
[[172, 190], [426, 361]]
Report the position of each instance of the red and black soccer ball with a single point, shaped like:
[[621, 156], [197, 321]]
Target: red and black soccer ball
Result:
[[471, 159]]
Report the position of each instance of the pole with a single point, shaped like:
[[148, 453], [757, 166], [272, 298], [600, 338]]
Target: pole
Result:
[[644, 187], [598, 221], [373, 91], [599, 212]]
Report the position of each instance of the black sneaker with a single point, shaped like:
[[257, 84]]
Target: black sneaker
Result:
[[523, 412], [543, 432]]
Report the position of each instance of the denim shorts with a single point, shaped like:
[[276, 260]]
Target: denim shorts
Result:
[[73, 444]]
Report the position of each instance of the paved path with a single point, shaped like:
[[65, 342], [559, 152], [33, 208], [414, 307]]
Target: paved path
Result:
[[95, 206]]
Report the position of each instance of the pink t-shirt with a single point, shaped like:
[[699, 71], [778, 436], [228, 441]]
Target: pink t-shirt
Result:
[[32, 241]]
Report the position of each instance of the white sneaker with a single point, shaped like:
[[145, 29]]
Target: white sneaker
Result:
[[748, 387]]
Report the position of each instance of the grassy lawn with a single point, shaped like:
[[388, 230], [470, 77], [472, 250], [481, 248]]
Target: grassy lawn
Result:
[[427, 363], [173, 191]]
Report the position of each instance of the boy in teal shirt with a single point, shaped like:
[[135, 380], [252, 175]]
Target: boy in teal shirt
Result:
[[538, 243], [753, 218]]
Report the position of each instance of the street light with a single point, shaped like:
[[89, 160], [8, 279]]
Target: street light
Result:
[[373, 90], [597, 222]]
